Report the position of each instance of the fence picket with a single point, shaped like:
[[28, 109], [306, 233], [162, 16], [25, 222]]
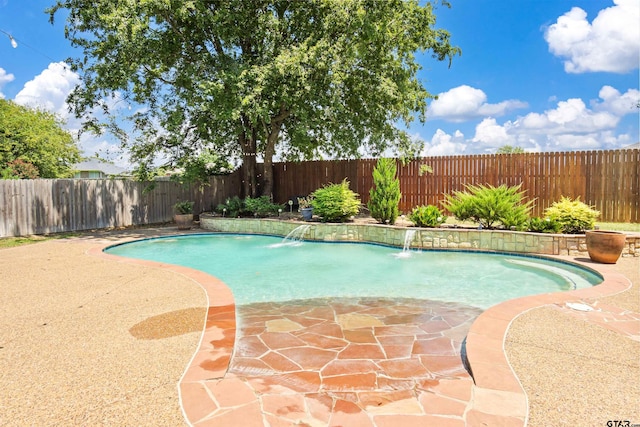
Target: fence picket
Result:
[[608, 180], [601, 178]]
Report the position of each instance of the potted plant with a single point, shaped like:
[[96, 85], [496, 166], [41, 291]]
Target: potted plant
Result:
[[305, 207], [183, 215], [605, 246]]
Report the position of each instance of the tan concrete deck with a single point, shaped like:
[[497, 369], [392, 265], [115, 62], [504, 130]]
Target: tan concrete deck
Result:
[[85, 340]]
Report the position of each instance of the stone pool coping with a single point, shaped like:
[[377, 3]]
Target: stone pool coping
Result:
[[493, 375], [497, 397]]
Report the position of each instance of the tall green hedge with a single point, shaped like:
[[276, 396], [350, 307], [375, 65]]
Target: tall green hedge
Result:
[[384, 197]]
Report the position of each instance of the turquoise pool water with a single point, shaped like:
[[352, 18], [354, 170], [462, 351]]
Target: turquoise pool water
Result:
[[261, 268]]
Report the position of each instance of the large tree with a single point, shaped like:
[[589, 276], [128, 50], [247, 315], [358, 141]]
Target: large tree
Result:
[[33, 143], [245, 78]]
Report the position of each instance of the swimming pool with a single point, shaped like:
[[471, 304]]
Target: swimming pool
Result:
[[260, 268]]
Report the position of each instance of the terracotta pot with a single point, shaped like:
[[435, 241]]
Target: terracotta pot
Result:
[[183, 221], [605, 246]]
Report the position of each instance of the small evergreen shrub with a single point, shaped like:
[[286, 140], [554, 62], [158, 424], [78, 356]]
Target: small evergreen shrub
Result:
[[261, 206], [490, 206], [385, 195], [515, 219], [575, 216], [234, 207], [426, 216], [544, 225], [335, 202]]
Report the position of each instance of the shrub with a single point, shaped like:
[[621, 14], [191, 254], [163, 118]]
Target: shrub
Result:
[[488, 206], [544, 225], [385, 195], [335, 202], [426, 216], [19, 169], [575, 216], [183, 208], [232, 207], [515, 219], [261, 206]]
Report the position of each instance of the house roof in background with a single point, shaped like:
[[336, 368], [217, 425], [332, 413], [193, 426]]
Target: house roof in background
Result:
[[99, 165]]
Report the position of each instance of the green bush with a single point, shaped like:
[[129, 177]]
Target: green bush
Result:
[[335, 202], [183, 208], [575, 216], [261, 206], [515, 219], [544, 225], [489, 206], [232, 207], [385, 195], [426, 216]]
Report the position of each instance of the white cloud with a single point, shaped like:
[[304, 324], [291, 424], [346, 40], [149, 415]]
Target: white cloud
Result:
[[489, 134], [465, 102], [570, 116], [617, 103], [443, 144], [570, 125], [4, 79], [49, 89], [610, 44]]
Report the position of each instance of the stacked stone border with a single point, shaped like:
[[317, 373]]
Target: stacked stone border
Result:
[[424, 238]]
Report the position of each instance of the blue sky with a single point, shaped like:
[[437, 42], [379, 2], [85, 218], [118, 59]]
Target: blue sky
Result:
[[540, 74]]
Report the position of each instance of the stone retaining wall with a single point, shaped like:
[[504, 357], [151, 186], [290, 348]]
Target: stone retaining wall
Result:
[[423, 238]]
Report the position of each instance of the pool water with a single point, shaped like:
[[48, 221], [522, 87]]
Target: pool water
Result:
[[260, 268]]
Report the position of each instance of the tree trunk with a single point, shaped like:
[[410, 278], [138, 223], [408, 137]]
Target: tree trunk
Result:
[[270, 149], [267, 177], [249, 170]]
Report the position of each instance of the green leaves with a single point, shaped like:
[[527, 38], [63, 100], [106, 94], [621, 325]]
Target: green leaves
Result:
[[335, 202], [426, 216], [488, 206], [247, 78], [199, 169], [574, 216], [385, 195], [261, 206], [33, 144]]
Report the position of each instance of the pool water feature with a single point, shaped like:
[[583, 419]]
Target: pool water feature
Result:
[[409, 235], [295, 237], [257, 269]]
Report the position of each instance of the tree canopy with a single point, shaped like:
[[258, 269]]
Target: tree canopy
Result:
[[33, 144], [310, 79], [509, 149]]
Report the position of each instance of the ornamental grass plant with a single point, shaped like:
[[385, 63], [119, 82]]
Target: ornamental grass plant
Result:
[[490, 206]]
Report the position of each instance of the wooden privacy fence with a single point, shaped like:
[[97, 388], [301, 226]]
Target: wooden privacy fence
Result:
[[608, 180], [44, 206]]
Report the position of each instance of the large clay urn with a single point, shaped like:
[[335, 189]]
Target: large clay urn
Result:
[[605, 246], [183, 221]]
